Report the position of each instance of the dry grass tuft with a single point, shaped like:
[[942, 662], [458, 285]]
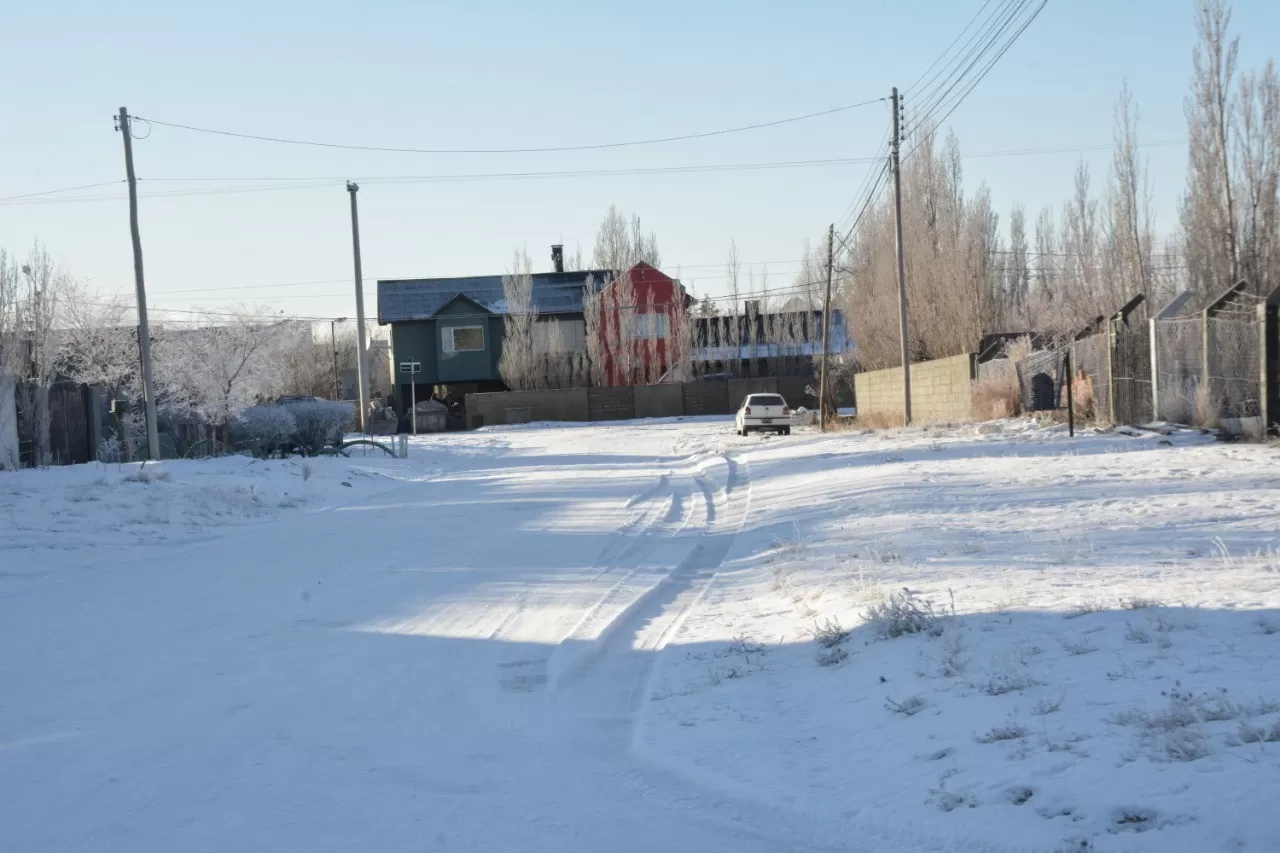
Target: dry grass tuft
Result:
[[878, 420]]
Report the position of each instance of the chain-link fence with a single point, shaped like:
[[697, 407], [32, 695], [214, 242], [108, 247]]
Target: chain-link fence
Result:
[[1040, 380], [1179, 362], [1131, 374], [1235, 380], [1091, 385]]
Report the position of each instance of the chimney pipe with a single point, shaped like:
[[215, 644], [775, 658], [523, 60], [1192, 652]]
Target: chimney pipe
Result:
[[557, 257]]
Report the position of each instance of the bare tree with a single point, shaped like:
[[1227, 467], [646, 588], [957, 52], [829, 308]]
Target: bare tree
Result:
[[622, 330], [9, 360], [1258, 168], [516, 364], [732, 324], [620, 243], [1130, 236], [1208, 211], [1017, 271], [41, 285], [218, 369], [98, 344], [593, 327]]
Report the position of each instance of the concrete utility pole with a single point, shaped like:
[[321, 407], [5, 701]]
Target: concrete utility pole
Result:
[[896, 167], [144, 328], [826, 327], [362, 357]]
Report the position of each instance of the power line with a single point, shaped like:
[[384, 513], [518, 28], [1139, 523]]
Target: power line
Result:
[[63, 190], [528, 150], [972, 52], [985, 71], [328, 182], [912, 88]]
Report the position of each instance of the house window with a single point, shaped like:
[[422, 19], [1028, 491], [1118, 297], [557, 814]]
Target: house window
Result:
[[649, 325], [573, 335], [463, 338]]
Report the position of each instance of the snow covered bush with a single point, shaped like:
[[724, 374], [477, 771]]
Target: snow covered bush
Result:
[[266, 430], [903, 613], [319, 423]]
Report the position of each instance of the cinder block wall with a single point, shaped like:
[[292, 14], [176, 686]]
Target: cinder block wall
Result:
[[940, 389]]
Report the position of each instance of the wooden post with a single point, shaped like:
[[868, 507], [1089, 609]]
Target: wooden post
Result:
[[826, 325], [896, 165], [1071, 402], [144, 327]]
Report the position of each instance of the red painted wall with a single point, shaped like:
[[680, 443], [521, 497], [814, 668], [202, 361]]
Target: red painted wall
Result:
[[655, 293]]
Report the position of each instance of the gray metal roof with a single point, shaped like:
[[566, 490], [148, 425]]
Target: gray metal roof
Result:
[[400, 300]]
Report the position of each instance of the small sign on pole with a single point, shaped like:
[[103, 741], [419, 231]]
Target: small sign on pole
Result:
[[413, 368]]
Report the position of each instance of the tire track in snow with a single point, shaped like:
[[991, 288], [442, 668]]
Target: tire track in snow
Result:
[[614, 669]]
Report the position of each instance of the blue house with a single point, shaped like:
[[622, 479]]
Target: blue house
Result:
[[454, 327]]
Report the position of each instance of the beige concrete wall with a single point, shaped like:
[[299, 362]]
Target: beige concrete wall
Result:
[[940, 390]]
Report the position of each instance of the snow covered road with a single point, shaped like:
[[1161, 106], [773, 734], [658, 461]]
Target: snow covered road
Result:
[[474, 649], [451, 663]]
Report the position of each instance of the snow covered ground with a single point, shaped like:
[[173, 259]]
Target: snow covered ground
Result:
[[582, 638]]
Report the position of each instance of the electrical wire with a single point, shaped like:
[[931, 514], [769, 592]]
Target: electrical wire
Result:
[[526, 150], [955, 104], [978, 44], [63, 190]]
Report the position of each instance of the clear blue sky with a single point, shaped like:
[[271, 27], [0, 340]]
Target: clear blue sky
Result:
[[504, 74]]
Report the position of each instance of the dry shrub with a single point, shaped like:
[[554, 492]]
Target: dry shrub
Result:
[[878, 420], [996, 396], [1082, 395], [1000, 395], [1205, 407]]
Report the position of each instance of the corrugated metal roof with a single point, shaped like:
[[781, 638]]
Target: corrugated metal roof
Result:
[[400, 300]]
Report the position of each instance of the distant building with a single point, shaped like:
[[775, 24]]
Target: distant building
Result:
[[454, 327], [658, 305]]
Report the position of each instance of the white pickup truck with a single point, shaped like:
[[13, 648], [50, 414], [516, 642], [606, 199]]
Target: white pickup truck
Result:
[[763, 411]]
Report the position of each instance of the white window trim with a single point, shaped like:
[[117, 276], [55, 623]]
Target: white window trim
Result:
[[447, 344]]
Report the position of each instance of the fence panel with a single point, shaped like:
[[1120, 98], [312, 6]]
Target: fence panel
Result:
[[611, 404], [1040, 378], [1179, 362], [1131, 375], [1235, 375], [659, 401], [1091, 364], [707, 398]]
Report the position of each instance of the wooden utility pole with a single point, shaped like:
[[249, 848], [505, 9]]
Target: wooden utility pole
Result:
[[144, 328], [362, 358], [826, 327], [896, 167]]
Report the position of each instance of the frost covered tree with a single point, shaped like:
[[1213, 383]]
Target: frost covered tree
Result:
[[516, 365], [593, 327], [40, 285], [622, 243], [218, 369], [9, 360]]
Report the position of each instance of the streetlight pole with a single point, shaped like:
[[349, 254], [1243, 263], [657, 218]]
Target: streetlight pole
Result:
[[333, 342]]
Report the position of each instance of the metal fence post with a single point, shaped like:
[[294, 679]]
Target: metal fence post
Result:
[[1111, 370], [1264, 395], [1155, 369]]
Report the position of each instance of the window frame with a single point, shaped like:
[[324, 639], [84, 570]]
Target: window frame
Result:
[[448, 341]]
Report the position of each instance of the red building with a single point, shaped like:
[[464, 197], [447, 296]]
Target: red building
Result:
[[643, 314]]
